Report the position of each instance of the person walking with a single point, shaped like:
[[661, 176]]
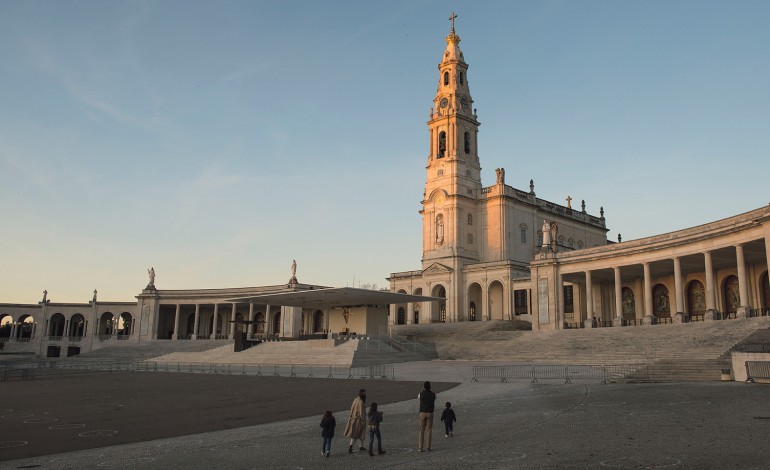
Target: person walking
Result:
[[375, 418], [356, 427], [427, 401], [448, 417], [328, 423]]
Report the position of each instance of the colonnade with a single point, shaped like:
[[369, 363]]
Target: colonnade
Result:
[[227, 333], [678, 292]]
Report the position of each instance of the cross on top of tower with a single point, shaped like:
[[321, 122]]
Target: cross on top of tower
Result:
[[452, 19]]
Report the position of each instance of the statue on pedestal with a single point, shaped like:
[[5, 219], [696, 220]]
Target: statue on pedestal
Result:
[[151, 273], [45, 296], [293, 279], [546, 234], [554, 237]]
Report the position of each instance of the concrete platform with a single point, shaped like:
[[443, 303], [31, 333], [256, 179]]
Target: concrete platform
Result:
[[500, 426]]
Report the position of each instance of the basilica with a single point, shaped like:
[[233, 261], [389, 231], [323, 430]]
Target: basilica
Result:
[[501, 253]]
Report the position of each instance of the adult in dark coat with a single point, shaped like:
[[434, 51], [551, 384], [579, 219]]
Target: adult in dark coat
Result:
[[427, 401]]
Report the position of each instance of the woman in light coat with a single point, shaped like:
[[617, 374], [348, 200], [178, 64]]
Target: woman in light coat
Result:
[[356, 427]]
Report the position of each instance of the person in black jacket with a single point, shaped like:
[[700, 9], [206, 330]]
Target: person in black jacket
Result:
[[328, 424], [448, 417], [427, 401]]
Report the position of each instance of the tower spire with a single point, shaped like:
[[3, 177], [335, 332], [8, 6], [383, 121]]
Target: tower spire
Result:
[[452, 19]]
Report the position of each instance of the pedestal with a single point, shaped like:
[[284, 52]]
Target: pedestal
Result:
[[743, 312], [711, 315], [588, 323], [647, 320], [679, 317]]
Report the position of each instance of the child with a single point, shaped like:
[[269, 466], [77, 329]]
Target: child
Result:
[[375, 418], [327, 424], [448, 417]]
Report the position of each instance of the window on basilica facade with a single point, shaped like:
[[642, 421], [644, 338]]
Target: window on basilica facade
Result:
[[523, 235], [470, 239], [467, 144], [446, 78], [461, 78], [441, 144], [470, 219]]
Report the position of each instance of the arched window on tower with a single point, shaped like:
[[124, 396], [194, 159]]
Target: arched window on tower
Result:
[[446, 78], [441, 144], [461, 78], [470, 219], [467, 142]]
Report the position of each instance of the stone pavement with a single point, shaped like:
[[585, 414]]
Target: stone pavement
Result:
[[500, 426]]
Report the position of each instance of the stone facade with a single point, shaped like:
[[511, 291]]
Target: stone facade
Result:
[[499, 253], [477, 241]]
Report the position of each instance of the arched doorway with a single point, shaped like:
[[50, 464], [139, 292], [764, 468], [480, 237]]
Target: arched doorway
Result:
[[696, 299], [731, 295], [106, 324], [661, 307], [401, 316], [56, 325], [764, 288], [25, 328], [126, 324], [439, 306], [474, 302], [629, 304], [495, 301], [6, 325], [77, 327], [318, 322]]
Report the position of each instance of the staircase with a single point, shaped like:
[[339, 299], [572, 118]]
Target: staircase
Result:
[[135, 352], [313, 352], [680, 352]]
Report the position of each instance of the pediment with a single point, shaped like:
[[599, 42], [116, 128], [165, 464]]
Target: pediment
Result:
[[437, 268]]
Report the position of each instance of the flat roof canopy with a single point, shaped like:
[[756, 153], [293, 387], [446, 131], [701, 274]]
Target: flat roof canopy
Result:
[[334, 297]]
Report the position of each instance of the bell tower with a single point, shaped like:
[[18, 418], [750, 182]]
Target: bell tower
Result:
[[451, 233]]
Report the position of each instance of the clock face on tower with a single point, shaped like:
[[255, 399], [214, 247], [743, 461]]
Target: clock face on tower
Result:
[[444, 102], [440, 200]]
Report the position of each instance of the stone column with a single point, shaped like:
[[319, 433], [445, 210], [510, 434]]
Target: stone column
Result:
[[196, 329], [484, 304], [268, 321], [214, 322], [13, 331], [175, 334], [558, 294], [393, 317], [647, 320], [618, 321], [743, 287], [710, 299], [678, 292], [116, 324], [589, 321], [250, 330], [407, 315], [232, 323]]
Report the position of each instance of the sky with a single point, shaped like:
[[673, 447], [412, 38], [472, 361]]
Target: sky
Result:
[[219, 141]]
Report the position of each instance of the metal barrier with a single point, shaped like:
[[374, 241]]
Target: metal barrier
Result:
[[383, 371], [759, 370], [568, 373]]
